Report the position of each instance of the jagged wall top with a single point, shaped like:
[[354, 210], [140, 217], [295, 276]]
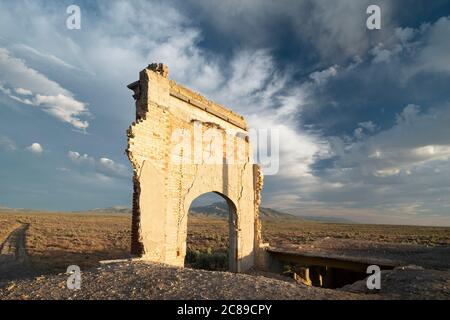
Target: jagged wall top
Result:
[[191, 97]]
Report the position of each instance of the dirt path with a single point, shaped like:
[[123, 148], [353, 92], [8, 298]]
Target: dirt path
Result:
[[14, 259]]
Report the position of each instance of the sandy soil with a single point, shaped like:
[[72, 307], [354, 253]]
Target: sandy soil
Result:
[[19, 279]]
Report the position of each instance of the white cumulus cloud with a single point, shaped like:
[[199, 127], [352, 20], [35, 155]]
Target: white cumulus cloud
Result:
[[103, 165], [35, 148], [78, 158], [33, 88], [320, 77]]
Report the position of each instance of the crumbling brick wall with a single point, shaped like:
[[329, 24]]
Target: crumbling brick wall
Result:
[[167, 177]]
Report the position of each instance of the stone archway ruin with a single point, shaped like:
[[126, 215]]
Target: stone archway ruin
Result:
[[170, 146]]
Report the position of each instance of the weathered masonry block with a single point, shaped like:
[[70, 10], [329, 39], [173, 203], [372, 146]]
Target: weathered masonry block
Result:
[[169, 175]]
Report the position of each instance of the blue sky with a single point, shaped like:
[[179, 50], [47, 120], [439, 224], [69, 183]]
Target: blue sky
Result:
[[363, 115]]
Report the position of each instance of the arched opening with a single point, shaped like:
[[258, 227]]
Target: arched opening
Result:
[[211, 233]]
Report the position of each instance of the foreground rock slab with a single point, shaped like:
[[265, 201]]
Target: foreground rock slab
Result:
[[138, 280]]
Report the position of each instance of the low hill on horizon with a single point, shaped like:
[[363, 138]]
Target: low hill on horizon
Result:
[[217, 210], [109, 210], [220, 210]]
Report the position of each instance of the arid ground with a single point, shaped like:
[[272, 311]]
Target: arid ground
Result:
[[41, 244]]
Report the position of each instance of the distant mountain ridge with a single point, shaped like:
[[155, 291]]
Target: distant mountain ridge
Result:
[[217, 209], [327, 219], [114, 210], [220, 210]]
